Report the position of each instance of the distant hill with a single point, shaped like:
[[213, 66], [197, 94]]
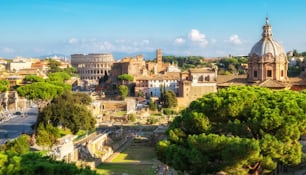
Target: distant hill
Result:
[[55, 55], [146, 55], [116, 55]]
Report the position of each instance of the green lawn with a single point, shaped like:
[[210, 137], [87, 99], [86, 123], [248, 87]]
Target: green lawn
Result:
[[135, 153], [130, 169]]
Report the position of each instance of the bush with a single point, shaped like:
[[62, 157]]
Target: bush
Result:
[[168, 111], [131, 117], [152, 120]]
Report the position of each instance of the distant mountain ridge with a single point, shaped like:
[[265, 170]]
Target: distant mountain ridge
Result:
[[116, 55]]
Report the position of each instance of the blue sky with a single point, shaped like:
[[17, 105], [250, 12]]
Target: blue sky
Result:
[[209, 28]]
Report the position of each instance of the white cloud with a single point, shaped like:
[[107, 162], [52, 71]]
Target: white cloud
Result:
[[7, 50], [213, 40], [194, 38], [179, 41], [145, 42], [235, 39], [87, 45], [197, 37], [73, 41]]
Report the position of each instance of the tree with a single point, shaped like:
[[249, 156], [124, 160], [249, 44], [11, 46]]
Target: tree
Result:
[[54, 66], [70, 70], [32, 79], [35, 163], [18, 146], [47, 135], [58, 76], [152, 105], [170, 99], [123, 90], [125, 77], [40, 91], [4, 85], [69, 111], [239, 130]]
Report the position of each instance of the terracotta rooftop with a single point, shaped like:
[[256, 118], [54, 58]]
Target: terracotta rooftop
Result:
[[238, 80]]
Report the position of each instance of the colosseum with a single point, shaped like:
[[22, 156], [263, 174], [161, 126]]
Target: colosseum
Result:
[[92, 66]]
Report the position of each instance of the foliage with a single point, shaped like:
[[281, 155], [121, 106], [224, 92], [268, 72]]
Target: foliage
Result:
[[186, 62], [68, 110], [59, 76], [168, 111], [47, 135], [104, 78], [140, 94], [35, 163], [54, 66], [32, 79], [167, 98], [152, 120], [4, 85], [123, 90], [70, 70], [232, 65], [131, 117], [125, 77], [152, 105], [40, 90], [18, 146], [170, 99], [238, 130]]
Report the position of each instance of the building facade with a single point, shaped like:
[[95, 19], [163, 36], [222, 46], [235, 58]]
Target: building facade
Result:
[[92, 66], [195, 83], [268, 60]]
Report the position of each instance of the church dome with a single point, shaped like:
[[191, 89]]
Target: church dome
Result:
[[267, 44]]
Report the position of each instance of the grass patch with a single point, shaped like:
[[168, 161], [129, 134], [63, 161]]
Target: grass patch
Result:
[[135, 153], [64, 132], [82, 133], [118, 169], [119, 113]]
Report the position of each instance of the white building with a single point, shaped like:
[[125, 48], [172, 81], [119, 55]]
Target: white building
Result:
[[169, 80]]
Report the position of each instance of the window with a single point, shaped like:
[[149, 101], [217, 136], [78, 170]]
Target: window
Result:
[[269, 73], [255, 73], [282, 73]]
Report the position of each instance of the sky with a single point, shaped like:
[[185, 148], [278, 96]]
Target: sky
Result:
[[208, 28]]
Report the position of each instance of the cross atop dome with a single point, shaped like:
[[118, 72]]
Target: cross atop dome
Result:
[[267, 30], [267, 21]]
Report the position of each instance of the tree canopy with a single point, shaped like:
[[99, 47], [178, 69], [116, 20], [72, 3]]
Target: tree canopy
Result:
[[40, 90], [239, 130], [123, 90], [170, 99], [35, 163], [186, 62], [4, 85], [32, 79], [125, 77], [68, 110], [58, 76], [54, 66]]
